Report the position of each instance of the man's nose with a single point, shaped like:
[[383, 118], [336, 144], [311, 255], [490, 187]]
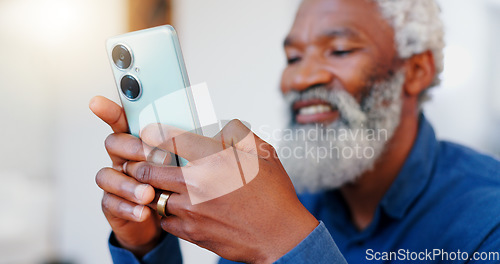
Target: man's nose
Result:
[[310, 73]]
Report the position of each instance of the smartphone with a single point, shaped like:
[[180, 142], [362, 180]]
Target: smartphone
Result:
[[152, 80]]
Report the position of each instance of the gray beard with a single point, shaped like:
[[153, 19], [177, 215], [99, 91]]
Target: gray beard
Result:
[[327, 157]]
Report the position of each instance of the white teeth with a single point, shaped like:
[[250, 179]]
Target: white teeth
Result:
[[315, 109]]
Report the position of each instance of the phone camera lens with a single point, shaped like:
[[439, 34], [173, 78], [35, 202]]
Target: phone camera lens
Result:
[[122, 57], [130, 87]]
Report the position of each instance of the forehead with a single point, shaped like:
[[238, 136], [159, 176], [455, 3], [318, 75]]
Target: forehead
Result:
[[357, 18]]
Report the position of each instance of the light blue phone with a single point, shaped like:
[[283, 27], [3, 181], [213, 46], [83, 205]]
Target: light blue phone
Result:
[[152, 79]]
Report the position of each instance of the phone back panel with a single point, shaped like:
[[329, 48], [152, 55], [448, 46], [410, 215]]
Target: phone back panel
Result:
[[159, 67]]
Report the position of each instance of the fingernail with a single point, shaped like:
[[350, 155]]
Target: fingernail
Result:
[[92, 103], [157, 156], [138, 211], [139, 191], [124, 167]]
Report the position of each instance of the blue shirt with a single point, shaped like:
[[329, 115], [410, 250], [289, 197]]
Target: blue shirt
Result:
[[443, 206]]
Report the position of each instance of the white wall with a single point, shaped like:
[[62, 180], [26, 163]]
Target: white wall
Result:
[[236, 47], [463, 108], [24, 112], [83, 72], [54, 61]]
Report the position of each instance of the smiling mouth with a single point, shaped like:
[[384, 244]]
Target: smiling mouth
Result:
[[314, 111]]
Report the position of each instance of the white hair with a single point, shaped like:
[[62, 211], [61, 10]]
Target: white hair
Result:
[[418, 28]]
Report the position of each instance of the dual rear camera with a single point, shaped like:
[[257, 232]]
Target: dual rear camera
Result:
[[123, 60]]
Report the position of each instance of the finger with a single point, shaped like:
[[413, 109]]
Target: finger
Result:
[[123, 147], [174, 204], [115, 206], [236, 134], [121, 185], [184, 229], [168, 178], [185, 144], [173, 225], [109, 112]]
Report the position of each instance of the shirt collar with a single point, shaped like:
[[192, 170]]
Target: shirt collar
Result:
[[415, 174]]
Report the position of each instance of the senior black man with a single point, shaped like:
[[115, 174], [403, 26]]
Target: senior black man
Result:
[[353, 65]]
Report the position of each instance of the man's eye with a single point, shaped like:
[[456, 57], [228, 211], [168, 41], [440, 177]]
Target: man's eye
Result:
[[293, 60], [341, 53]]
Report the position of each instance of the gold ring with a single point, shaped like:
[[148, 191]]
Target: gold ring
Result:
[[161, 205]]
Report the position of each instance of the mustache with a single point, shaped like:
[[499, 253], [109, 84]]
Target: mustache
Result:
[[349, 109], [321, 92]]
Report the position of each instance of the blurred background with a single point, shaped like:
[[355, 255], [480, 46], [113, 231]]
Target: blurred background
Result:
[[53, 61]]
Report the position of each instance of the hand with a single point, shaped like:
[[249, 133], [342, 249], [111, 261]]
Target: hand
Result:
[[136, 226], [233, 197]]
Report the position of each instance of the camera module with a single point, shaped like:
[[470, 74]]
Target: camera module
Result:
[[130, 87], [122, 57]]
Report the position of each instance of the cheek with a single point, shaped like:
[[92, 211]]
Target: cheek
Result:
[[357, 73], [354, 74]]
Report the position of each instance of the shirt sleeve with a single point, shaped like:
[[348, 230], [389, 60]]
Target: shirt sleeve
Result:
[[318, 247], [489, 250], [167, 252]]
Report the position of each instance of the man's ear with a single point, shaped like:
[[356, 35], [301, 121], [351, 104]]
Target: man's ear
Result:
[[420, 73]]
